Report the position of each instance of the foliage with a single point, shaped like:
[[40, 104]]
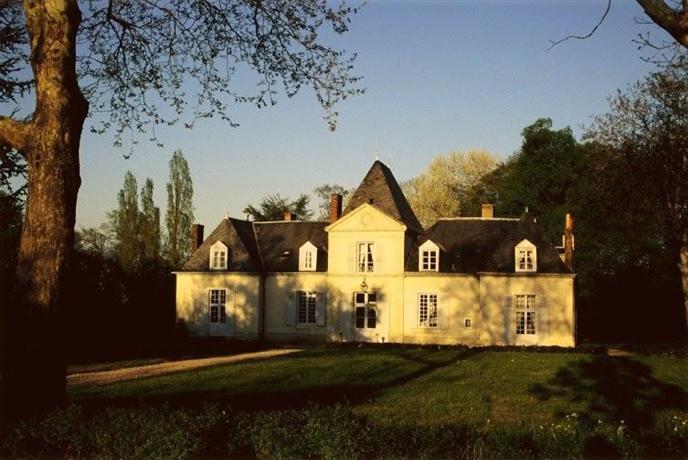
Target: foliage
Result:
[[145, 56], [12, 39], [179, 216], [149, 224], [273, 207], [385, 402], [125, 223], [446, 188], [323, 193]]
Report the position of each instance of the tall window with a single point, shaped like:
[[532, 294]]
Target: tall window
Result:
[[218, 256], [525, 315], [365, 253], [366, 310], [306, 308], [525, 257], [308, 260], [428, 313], [217, 308]]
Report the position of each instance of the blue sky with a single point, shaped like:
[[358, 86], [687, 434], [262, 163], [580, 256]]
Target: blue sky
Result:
[[438, 76]]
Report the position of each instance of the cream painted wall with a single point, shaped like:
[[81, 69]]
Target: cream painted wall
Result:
[[554, 313], [280, 290], [458, 300], [241, 306]]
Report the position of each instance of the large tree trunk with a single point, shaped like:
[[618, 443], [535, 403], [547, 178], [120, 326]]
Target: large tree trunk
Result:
[[34, 371], [683, 267]]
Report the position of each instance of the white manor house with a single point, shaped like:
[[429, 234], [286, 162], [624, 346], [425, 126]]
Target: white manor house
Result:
[[374, 274]]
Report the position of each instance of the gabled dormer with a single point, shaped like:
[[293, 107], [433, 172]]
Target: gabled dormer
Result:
[[219, 256], [525, 257], [308, 257], [428, 257]]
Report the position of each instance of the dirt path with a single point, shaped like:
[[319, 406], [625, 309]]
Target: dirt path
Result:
[[151, 370]]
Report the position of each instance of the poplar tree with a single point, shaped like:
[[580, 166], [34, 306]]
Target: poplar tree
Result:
[[125, 222], [179, 216], [149, 224]]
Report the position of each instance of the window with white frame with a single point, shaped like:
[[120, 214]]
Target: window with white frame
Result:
[[219, 255], [308, 257], [428, 310], [306, 308], [525, 257], [365, 257], [217, 306], [428, 257], [526, 319]]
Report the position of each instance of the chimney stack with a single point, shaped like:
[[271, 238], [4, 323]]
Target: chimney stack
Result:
[[289, 216], [487, 211], [196, 237], [335, 207], [568, 241]]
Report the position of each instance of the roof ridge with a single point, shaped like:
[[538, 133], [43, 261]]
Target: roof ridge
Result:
[[511, 219], [290, 222]]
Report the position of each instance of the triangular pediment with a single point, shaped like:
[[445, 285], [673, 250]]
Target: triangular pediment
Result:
[[366, 218]]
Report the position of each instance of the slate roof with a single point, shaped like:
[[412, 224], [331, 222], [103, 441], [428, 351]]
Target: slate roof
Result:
[[238, 236], [472, 245], [381, 189], [279, 244], [262, 246]]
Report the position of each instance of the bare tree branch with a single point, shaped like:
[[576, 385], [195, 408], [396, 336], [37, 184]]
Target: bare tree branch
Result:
[[13, 133], [588, 35], [672, 19]]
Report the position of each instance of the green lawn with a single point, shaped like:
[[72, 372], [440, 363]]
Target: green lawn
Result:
[[426, 386]]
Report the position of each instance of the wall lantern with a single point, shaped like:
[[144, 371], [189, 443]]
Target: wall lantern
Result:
[[364, 285]]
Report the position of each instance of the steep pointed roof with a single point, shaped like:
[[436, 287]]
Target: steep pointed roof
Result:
[[380, 189]]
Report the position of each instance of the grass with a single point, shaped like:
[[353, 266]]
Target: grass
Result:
[[381, 401], [395, 385]]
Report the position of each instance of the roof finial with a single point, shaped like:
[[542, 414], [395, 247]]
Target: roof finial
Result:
[[226, 216], [389, 162]]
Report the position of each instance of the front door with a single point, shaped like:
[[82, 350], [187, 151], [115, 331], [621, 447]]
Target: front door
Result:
[[366, 317], [218, 323]]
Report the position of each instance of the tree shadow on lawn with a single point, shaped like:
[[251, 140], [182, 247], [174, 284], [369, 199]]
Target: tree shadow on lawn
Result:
[[274, 399], [613, 389]]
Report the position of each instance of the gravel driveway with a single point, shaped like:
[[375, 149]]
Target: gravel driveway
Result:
[[152, 370]]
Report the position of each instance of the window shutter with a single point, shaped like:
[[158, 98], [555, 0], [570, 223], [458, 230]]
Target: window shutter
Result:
[[442, 314], [291, 308], [320, 308], [509, 316], [377, 257], [542, 312]]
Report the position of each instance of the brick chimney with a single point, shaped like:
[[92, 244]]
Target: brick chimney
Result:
[[568, 241], [487, 211], [335, 207], [196, 236], [289, 216]]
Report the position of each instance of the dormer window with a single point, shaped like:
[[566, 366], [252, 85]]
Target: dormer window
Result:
[[525, 257], [218, 256], [428, 257], [308, 257]]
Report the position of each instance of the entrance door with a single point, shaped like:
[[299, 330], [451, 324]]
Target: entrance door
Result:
[[366, 317], [218, 323]]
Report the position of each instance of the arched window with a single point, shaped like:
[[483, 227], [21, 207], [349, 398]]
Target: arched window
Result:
[[308, 257], [219, 255]]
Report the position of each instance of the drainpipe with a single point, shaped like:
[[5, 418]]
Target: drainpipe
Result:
[[261, 307]]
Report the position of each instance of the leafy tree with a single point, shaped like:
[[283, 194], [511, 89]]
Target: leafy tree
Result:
[[273, 207], [448, 184], [95, 240], [540, 176], [648, 125], [323, 194], [149, 224], [139, 58], [179, 215]]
